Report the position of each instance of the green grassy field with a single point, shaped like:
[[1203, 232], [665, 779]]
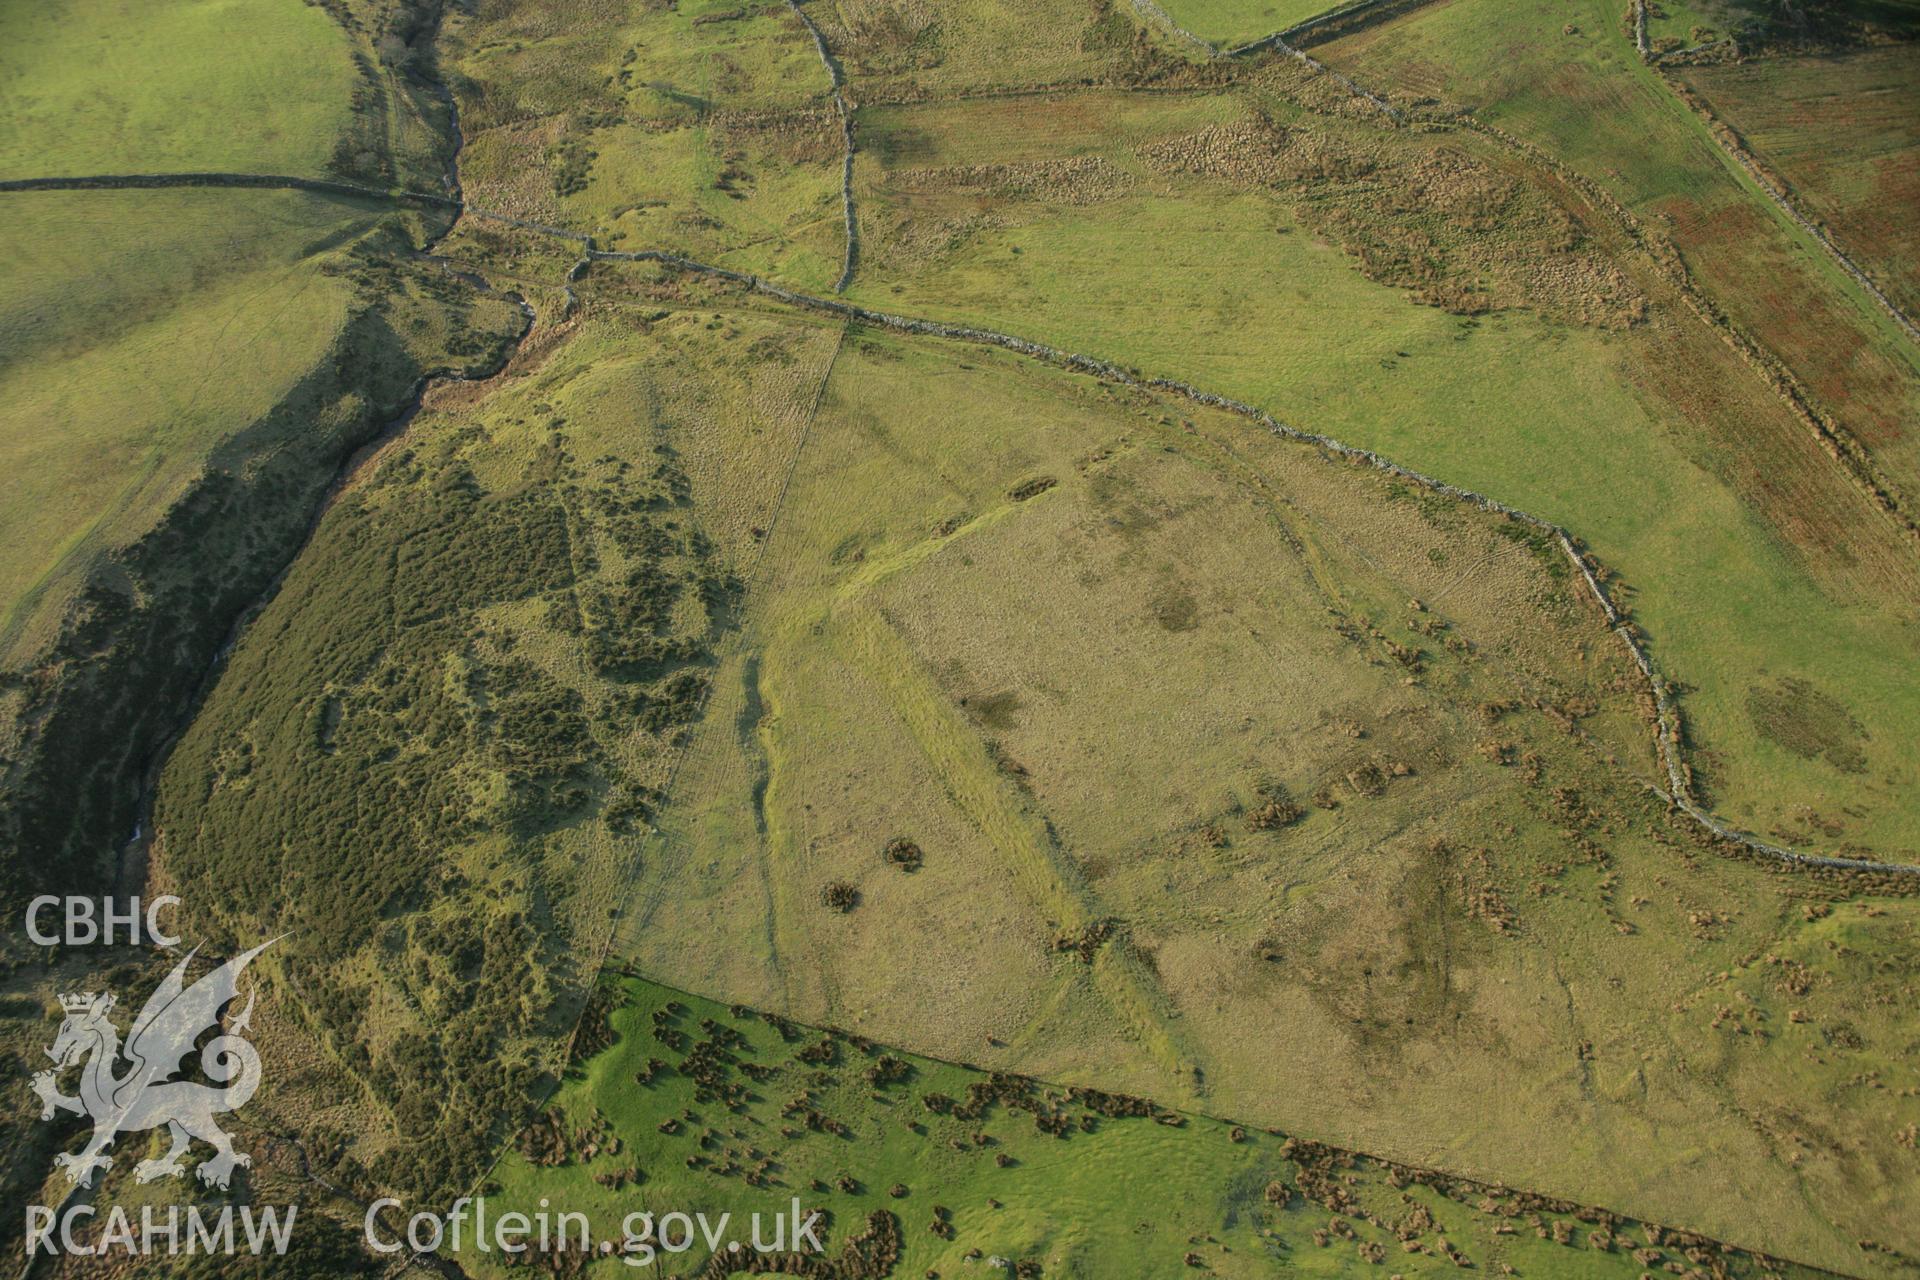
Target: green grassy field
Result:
[[698, 128], [1585, 97], [1677, 24], [737, 1113], [527, 64], [188, 365], [186, 371], [1844, 133], [710, 130], [1652, 441], [144, 330], [915, 663], [113, 86]]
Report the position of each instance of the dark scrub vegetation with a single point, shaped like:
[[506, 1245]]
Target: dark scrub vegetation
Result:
[[92, 710], [431, 729]]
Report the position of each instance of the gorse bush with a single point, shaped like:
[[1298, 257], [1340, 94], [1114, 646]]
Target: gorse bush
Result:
[[397, 728]]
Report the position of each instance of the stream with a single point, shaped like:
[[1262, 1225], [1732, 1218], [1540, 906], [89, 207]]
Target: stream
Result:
[[131, 864]]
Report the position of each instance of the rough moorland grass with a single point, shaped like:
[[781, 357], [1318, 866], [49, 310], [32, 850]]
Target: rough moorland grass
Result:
[[142, 330], [121, 86], [1095, 706], [702, 128], [1747, 551], [710, 129], [684, 1104], [431, 756], [1589, 101], [1095, 122], [124, 637], [851, 508], [1285, 849], [1844, 133], [892, 49], [533, 62], [1235, 22]]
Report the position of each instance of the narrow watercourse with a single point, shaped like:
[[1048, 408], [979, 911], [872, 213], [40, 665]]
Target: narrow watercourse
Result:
[[130, 864]]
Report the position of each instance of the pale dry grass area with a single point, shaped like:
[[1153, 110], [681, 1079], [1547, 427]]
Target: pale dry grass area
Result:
[[1244, 779]]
